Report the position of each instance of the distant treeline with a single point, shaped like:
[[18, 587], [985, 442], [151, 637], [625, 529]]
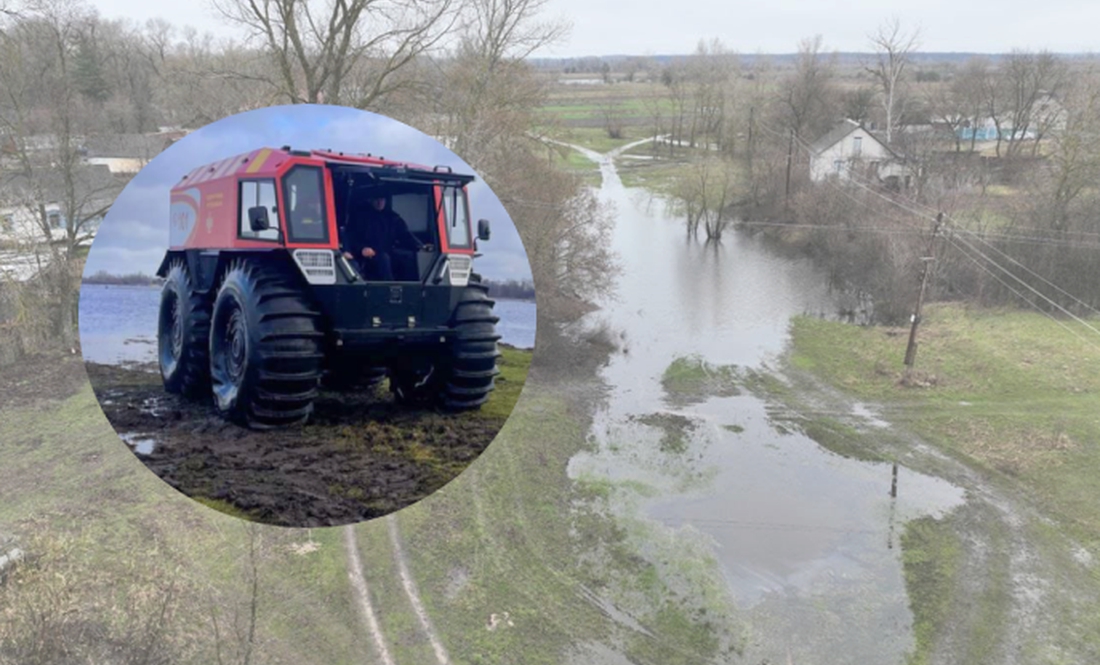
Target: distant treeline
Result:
[[134, 279], [512, 288]]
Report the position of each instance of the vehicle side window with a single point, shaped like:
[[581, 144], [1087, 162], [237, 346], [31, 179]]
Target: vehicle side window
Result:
[[456, 217], [258, 193], [304, 193]]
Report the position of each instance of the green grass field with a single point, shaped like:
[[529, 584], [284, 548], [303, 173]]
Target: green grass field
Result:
[[113, 544], [1009, 390], [1015, 396]]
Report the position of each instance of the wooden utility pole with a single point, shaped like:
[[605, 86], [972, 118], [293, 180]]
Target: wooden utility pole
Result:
[[911, 349]]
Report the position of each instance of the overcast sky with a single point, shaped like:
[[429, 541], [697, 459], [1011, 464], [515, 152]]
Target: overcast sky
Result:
[[134, 235], [650, 27]]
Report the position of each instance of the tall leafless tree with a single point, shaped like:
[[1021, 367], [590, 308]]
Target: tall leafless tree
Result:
[[46, 121], [806, 96], [341, 51], [893, 47]]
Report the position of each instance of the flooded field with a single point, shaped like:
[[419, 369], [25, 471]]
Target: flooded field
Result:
[[807, 541]]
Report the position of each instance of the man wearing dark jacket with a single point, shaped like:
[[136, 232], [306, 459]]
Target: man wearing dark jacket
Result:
[[372, 241]]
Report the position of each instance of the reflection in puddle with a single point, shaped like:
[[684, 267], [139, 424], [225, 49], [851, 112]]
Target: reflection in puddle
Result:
[[142, 444]]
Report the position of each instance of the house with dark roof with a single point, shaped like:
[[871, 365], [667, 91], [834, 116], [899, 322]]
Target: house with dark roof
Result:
[[851, 151]]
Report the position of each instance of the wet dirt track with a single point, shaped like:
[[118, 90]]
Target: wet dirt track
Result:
[[360, 456]]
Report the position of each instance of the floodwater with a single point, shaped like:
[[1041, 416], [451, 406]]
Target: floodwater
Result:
[[807, 540], [118, 324]]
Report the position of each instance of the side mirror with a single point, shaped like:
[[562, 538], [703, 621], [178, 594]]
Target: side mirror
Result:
[[257, 218], [482, 229]]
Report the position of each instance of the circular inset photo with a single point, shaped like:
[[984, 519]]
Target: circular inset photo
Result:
[[307, 315]]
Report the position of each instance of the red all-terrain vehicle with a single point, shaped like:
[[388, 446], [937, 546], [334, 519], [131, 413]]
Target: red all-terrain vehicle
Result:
[[261, 302]]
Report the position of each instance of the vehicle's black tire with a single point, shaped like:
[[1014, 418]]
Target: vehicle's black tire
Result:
[[183, 334], [265, 347], [472, 370]]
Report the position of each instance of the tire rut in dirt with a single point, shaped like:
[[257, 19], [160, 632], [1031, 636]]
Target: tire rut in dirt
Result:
[[474, 362], [266, 349], [183, 333]]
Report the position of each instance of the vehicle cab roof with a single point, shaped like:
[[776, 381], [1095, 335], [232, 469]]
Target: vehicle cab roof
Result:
[[267, 162]]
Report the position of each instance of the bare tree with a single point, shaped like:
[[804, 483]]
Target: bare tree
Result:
[[1074, 165], [710, 71], [46, 120], [1026, 77], [341, 51], [705, 194], [500, 30], [482, 101], [972, 88], [675, 79], [612, 111], [893, 47], [806, 96]]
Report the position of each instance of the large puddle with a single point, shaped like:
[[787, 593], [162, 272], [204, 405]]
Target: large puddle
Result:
[[807, 540]]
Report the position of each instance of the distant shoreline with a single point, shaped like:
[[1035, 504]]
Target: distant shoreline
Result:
[[530, 300]]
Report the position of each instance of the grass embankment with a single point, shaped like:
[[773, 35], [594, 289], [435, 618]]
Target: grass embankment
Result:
[[115, 554], [514, 558], [1011, 392], [1015, 396]]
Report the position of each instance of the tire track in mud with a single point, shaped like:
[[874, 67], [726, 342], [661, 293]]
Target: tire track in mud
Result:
[[362, 596], [409, 585]]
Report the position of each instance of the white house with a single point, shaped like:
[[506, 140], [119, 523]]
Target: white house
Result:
[[22, 202], [850, 150]]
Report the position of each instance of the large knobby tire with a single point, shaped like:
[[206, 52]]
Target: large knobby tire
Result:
[[265, 347], [183, 334], [473, 364]]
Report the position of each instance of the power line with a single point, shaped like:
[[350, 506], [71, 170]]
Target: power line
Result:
[[1022, 296], [1044, 279], [1029, 287]]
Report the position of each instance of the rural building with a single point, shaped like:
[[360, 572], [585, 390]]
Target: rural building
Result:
[[1047, 116], [23, 201], [123, 153], [850, 150]]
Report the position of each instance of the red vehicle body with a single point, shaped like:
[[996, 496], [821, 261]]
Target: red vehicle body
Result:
[[261, 300], [204, 203]]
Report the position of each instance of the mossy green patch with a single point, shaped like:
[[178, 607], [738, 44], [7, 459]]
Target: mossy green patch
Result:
[[838, 437], [931, 557], [675, 430], [691, 379]]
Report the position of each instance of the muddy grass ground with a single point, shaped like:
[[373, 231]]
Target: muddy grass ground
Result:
[[360, 456]]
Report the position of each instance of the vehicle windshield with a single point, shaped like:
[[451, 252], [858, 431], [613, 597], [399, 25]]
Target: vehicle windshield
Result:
[[457, 217]]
